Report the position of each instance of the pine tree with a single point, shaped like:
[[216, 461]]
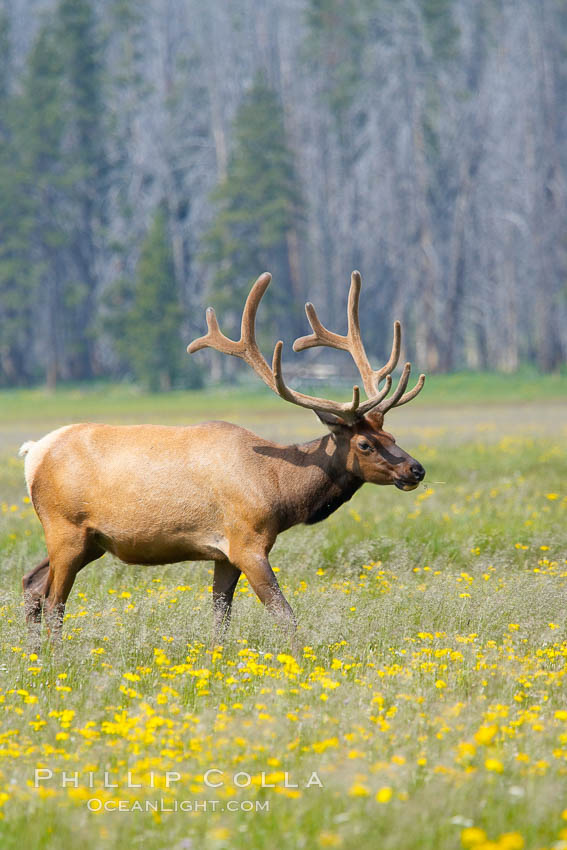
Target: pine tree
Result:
[[5, 52], [336, 33], [257, 204], [17, 276], [145, 316], [442, 32], [39, 133], [85, 161], [51, 174]]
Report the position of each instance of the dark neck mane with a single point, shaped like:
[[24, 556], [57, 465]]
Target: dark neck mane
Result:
[[314, 482], [333, 501]]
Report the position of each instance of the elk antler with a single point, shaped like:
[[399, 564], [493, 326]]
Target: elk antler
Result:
[[247, 349], [352, 343]]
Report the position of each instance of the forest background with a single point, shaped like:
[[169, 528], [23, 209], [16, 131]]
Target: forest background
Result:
[[157, 156]]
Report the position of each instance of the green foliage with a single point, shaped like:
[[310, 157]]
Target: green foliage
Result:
[[14, 229], [85, 163], [5, 52], [336, 34], [102, 114], [80, 50], [442, 32], [31, 178], [18, 274], [257, 203], [51, 171], [145, 315], [41, 124]]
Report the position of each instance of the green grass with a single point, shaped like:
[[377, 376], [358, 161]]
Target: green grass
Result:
[[125, 402], [430, 698]]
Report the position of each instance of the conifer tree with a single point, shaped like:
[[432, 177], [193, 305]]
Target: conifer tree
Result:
[[39, 133], [144, 316], [336, 34], [256, 204], [17, 275], [85, 163], [52, 178]]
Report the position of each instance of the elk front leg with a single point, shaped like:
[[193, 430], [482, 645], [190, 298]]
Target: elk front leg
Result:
[[224, 584], [259, 573]]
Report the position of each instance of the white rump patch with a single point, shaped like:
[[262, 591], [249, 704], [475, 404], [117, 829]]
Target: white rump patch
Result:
[[25, 447], [34, 453]]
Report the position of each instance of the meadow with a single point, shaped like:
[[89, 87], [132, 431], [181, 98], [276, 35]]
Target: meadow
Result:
[[428, 709]]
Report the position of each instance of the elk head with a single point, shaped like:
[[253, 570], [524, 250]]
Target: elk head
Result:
[[363, 448]]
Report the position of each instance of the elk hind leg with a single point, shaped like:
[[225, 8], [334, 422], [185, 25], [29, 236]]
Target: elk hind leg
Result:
[[224, 584], [35, 589], [69, 551]]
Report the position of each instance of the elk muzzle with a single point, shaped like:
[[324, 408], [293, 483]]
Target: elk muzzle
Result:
[[414, 474]]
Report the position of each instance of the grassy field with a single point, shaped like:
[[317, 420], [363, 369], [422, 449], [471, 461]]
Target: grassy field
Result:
[[428, 710]]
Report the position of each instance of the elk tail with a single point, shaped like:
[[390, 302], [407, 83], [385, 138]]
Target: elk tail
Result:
[[25, 447]]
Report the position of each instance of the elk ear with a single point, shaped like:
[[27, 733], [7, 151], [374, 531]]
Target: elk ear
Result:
[[334, 423], [376, 419]]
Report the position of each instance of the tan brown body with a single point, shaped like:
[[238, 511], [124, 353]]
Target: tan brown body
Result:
[[154, 494]]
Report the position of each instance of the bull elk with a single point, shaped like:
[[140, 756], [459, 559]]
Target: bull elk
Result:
[[153, 494]]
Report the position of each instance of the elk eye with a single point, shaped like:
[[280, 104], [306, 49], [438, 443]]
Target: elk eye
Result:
[[362, 444]]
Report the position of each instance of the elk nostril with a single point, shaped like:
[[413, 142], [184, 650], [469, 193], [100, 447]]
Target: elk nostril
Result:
[[417, 470]]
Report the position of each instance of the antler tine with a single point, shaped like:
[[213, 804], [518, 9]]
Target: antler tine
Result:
[[320, 335], [352, 342], [412, 393], [248, 324], [215, 338], [388, 403], [348, 411], [372, 402], [246, 347], [394, 356], [370, 377]]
